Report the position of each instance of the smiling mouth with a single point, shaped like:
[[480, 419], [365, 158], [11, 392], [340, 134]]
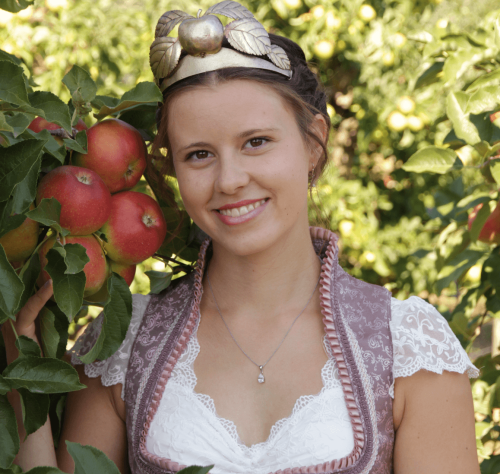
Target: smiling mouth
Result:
[[241, 211]]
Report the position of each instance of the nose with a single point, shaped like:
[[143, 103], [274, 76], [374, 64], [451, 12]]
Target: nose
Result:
[[231, 175]]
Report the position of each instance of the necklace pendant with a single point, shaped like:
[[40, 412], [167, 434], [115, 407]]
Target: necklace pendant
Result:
[[261, 378]]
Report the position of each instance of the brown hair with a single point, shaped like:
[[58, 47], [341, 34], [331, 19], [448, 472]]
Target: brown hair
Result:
[[302, 93]]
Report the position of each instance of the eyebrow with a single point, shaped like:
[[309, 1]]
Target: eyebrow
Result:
[[244, 134]]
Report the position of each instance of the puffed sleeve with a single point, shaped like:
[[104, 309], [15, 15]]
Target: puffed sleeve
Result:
[[422, 339], [113, 369]]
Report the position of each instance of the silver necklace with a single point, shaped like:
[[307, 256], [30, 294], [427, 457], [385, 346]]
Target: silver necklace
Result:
[[261, 378]]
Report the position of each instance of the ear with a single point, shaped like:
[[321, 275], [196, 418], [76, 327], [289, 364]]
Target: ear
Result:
[[319, 128]]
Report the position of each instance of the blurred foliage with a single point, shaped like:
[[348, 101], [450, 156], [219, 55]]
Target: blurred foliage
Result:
[[388, 68]]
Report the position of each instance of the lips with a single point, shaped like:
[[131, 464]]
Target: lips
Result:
[[244, 208]]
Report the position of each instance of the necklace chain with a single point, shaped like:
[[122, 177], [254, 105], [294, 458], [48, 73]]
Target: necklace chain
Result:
[[261, 367]]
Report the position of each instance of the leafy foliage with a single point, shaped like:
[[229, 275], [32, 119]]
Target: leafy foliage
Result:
[[411, 88]]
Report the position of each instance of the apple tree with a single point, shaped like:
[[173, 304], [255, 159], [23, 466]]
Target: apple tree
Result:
[[464, 204]]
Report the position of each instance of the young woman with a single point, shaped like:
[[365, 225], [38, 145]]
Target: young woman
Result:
[[268, 357]]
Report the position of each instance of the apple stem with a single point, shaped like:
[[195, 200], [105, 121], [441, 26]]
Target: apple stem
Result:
[[75, 114], [199, 13], [13, 329]]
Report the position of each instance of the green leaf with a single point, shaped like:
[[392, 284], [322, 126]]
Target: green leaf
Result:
[[159, 280], [116, 319], [195, 470], [430, 75], [68, 288], [17, 160], [142, 93], [12, 85], [433, 160], [44, 470], [11, 222], [19, 122], [456, 268], [42, 375], [459, 62], [456, 105], [483, 100], [5, 56], [80, 84], [74, 255], [79, 144], [25, 192], [9, 437], [29, 275], [495, 170], [28, 347], [4, 126], [89, 460], [15, 6], [105, 101], [4, 386], [484, 80], [54, 331], [56, 412], [48, 213], [55, 109], [35, 408], [11, 286]]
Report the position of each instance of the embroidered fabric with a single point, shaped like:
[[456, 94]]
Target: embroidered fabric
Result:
[[421, 337], [318, 427]]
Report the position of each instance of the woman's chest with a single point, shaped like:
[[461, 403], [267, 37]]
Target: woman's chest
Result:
[[228, 372], [188, 426]]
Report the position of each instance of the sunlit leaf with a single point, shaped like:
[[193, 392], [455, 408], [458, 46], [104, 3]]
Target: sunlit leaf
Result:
[[12, 85], [433, 160], [456, 106], [81, 86]]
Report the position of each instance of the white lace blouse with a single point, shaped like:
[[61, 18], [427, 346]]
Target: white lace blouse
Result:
[[318, 429]]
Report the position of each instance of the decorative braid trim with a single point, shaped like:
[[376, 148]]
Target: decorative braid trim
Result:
[[164, 463], [327, 271]]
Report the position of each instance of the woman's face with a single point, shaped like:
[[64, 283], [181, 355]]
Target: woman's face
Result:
[[241, 164]]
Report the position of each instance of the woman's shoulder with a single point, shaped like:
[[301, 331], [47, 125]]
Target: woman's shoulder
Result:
[[423, 339]]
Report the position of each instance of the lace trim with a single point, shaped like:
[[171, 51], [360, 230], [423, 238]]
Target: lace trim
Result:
[[423, 339], [183, 374]]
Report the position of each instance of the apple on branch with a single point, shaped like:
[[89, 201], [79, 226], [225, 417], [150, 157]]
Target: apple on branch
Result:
[[116, 152], [85, 200], [21, 242], [96, 269], [135, 229]]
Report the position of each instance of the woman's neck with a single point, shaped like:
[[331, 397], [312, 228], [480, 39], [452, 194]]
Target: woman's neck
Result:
[[273, 282]]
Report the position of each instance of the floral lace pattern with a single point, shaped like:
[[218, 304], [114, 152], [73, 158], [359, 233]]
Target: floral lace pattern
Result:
[[422, 339], [317, 423]]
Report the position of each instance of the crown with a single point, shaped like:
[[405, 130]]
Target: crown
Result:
[[201, 39]]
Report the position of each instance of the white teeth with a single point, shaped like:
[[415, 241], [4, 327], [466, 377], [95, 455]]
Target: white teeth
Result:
[[241, 211]]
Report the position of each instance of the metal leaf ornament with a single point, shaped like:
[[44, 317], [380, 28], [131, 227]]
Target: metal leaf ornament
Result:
[[279, 57], [168, 21], [164, 56], [248, 36], [230, 9]]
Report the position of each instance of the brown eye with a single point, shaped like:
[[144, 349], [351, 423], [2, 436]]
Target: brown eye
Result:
[[201, 154], [256, 141]]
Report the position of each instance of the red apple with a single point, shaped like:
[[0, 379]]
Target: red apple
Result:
[[85, 199], [127, 272], [96, 270], [20, 243], [40, 124], [117, 152], [135, 229], [491, 230]]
